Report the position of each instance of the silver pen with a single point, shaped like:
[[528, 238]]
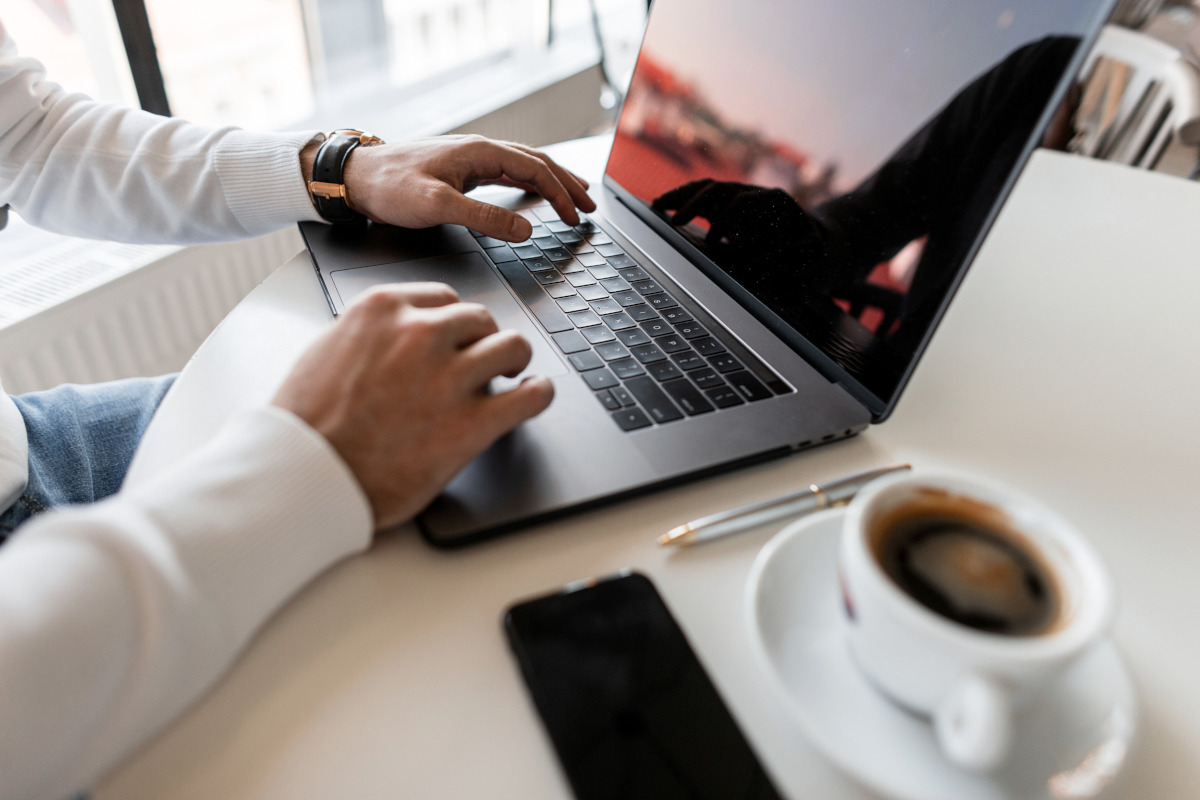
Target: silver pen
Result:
[[807, 501]]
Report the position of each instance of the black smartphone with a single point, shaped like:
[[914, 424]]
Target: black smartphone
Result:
[[630, 710]]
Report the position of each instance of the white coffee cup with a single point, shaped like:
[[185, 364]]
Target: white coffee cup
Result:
[[970, 682]]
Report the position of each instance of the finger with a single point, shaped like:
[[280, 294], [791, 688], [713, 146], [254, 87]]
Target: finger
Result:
[[576, 186], [488, 219], [425, 294], [463, 324], [521, 166], [505, 411], [504, 353], [390, 297]]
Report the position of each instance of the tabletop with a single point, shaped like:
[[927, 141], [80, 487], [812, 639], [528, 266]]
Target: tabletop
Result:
[[1065, 367]]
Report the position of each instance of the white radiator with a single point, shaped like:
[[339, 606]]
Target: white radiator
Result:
[[146, 322]]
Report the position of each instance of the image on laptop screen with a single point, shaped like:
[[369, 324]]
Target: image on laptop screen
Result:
[[834, 164]]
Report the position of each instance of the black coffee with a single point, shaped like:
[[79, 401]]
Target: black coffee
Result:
[[953, 558]]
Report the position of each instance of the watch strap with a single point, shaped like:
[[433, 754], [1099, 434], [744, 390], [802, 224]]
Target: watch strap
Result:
[[328, 187]]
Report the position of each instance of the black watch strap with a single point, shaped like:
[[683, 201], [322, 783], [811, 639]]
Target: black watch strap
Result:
[[328, 186]]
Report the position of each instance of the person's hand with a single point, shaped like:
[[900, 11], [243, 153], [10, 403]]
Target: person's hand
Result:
[[420, 183], [399, 387]]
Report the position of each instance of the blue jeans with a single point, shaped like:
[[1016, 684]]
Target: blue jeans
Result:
[[81, 440]]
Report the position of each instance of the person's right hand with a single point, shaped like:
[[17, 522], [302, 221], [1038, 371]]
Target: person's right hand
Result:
[[399, 387]]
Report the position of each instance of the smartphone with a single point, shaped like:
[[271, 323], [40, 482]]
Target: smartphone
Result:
[[630, 710]]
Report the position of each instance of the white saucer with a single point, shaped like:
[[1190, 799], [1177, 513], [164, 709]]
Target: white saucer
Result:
[[1070, 744]]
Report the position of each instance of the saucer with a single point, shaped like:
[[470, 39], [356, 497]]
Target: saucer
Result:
[[1070, 744]]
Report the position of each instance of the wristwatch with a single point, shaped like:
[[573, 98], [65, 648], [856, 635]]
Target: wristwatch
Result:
[[327, 187]]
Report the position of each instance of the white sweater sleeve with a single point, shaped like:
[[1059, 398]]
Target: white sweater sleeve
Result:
[[72, 165], [115, 617]]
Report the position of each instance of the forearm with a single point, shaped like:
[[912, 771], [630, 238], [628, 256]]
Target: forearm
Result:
[[115, 617]]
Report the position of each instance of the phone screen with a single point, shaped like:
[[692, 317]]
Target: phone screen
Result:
[[629, 708]]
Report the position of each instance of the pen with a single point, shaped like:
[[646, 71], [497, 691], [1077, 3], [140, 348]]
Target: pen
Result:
[[806, 501]]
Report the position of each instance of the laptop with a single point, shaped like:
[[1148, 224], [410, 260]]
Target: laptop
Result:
[[794, 191]]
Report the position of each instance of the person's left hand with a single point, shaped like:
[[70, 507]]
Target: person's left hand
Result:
[[423, 182]]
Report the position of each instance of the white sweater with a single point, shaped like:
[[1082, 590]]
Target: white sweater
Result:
[[115, 617]]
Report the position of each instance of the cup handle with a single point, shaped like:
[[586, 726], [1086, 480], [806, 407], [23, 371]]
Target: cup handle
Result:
[[973, 723]]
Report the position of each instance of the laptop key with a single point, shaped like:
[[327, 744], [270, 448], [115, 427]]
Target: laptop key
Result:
[[598, 334], [622, 260], [584, 319], [606, 306], [501, 254], [570, 342], [622, 396], [688, 360], [627, 299], [546, 241], [687, 397], [648, 286], [708, 346], [557, 253], [590, 258], [488, 241], [610, 402], [603, 272], [615, 284], [691, 330], [672, 315], [749, 386], [560, 290], [557, 226], [647, 353], [724, 396], [548, 277], [568, 266], [653, 399], [605, 249], [641, 312], [673, 343], [538, 264], [573, 303], [661, 301], [627, 368], [586, 360], [619, 321], [664, 370], [568, 237], [724, 362], [657, 327], [600, 379], [633, 274], [631, 419], [530, 292], [591, 291], [612, 351], [705, 377], [633, 336], [581, 278], [527, 251]]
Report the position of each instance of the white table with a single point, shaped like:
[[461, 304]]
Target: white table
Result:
[[1067, 367]]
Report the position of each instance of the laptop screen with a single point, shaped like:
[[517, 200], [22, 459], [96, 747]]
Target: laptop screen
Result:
[[834, 163]]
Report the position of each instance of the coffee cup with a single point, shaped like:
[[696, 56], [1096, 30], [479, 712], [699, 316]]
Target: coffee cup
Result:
[[963, 599]]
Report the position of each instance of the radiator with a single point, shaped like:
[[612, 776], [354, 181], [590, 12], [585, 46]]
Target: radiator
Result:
[[146, 322]]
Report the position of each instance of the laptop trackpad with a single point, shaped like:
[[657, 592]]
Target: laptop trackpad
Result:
[[471, 276]]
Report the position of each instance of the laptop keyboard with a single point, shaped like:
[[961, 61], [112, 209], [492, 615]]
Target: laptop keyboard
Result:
[[646, 357]]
